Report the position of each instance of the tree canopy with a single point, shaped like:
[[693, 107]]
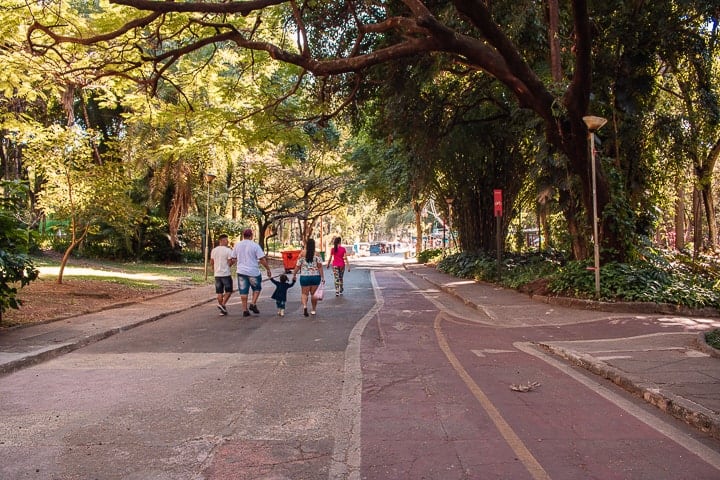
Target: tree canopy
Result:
[[562, 62]]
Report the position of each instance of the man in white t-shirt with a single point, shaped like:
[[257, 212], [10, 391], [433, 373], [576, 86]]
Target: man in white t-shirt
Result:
[[248, 254], [220, 259]]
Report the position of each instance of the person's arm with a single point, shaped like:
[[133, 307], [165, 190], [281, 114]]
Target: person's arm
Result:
[[345, 259], [320, 269], [330, 259], [297, 269], [263, 261]]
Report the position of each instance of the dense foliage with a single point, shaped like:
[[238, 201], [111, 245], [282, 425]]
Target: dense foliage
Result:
[[16, 267], [658, 277]]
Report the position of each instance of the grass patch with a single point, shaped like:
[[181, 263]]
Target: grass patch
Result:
[[128, 282], [129, 273]]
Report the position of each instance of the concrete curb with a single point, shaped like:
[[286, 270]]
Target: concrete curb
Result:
[[679, 407], [627, 307], [102, 309], [703, 346]]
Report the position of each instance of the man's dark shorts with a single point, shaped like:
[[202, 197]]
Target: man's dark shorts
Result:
[[223, 285]]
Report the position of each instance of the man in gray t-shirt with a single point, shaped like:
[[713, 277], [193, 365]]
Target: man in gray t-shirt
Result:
[[247, 255], [220, 261]]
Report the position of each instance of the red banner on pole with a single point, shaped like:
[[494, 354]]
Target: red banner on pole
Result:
[[497, 202]]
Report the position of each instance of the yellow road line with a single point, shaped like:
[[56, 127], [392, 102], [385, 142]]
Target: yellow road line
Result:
[[521, 451]]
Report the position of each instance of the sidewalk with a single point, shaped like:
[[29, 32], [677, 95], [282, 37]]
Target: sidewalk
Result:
[[24, 346], [677, 372]]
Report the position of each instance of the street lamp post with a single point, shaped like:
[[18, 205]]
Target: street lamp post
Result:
[[593, 125], [209, 177], [449, 201]]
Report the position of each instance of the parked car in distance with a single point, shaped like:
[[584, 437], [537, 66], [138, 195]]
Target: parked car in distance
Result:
[[362, 249]]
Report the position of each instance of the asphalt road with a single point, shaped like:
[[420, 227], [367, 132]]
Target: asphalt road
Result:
[[393, 380]]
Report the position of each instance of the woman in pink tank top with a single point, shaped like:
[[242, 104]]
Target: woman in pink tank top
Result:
[[339, 262]]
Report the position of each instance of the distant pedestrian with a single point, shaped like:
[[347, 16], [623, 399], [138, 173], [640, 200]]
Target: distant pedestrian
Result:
[[221, 261], [280, 293], [248, 254], [311, 275], [339, 262]]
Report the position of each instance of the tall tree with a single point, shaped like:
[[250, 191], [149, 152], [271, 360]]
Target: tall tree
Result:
[[77, 189]]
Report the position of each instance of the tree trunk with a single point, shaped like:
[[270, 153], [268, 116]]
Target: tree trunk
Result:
[[63, 262], [709, 203], [697, 222], [578, 240], [680, 217], [706, 183], [417, 207], [74, 242], [554, 40]]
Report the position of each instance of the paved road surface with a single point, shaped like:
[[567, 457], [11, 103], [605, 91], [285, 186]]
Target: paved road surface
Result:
[[394, 380]]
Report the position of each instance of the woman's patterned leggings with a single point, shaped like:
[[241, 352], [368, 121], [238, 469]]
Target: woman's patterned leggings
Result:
[[338, 274]]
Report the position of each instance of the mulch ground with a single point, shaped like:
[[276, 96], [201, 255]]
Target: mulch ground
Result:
[[46, 300]]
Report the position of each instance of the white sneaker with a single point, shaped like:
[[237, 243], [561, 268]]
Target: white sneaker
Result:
[[281, 313]]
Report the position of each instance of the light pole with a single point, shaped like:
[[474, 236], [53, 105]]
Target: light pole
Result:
[[593, 125], [449, 201], [209, 177]]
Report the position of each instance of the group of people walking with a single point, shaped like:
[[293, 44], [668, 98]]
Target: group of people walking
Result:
[[248, 256]]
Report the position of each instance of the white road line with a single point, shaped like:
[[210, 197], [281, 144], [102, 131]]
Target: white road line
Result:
[[346, 455]]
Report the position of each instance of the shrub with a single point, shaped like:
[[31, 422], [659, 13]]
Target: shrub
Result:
[[657, 276], [713, 338], [429, 255], [665, 277], [15, 266]]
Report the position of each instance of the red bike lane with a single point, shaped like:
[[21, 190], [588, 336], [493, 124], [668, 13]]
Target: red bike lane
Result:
[[437, 403]]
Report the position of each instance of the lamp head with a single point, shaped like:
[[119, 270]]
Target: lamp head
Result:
[[209, 177], [594, 123], [449, 200]]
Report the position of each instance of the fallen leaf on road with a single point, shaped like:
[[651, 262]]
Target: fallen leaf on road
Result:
[[526, 387]]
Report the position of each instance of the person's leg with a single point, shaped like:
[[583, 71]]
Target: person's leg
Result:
[[341, 279], [227, 291], [304, 298], [243, 289], [256, 286], [219, 291], [336, 279], [313, 300], [244, 303]]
